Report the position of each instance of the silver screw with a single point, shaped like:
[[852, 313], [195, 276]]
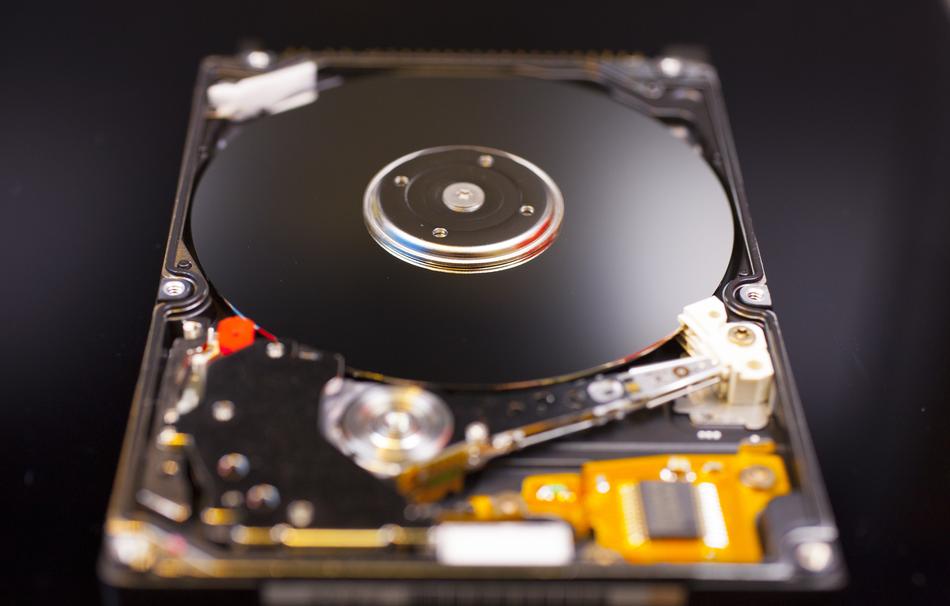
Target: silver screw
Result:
[[191, 329], [463, 197], [257, 59], [485, 161], [397, 424], [526, 210], [440, 232], [476, 433], [233, 466], [275, 349], [223, 410], [300, 513], [605, 390], [671, 66], [232, 498], [263, 496], [174, 288], [814, 556], [401, 180]]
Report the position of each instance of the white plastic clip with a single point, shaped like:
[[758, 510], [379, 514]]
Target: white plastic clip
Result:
[[738, 347], [272, 93]]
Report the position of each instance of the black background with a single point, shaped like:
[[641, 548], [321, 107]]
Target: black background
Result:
[[840, 114]]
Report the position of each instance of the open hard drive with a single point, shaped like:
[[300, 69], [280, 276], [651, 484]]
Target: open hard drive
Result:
[[466, 328]]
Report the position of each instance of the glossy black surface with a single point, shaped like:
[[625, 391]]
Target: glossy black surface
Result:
[[276, 423], [839, 111], [277, 222]]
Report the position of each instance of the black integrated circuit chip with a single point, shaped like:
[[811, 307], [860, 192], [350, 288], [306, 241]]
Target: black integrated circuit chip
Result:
[[669, 510]]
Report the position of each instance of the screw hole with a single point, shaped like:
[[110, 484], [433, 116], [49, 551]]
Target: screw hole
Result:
[[526, 210], [174, 288], [401, 180], [440, 232]]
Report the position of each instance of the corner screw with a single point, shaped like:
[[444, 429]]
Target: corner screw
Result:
[[814, 556], [671, 66]]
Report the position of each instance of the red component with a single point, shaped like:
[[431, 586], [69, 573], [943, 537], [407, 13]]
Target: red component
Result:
[[266, 334], [234, 334]]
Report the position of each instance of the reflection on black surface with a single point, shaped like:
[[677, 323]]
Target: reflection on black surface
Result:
[[278, 226]]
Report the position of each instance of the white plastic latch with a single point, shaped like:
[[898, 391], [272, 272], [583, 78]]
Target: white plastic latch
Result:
[[274, 92], [738, 347], [548, 543]]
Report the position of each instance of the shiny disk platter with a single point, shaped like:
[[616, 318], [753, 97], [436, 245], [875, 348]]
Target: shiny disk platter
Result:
[[463, 231]]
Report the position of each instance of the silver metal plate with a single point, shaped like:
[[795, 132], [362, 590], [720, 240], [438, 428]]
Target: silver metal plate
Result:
[[449, 209], [386, 428]]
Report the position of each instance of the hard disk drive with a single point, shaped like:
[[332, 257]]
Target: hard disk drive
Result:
[[464, 328]]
